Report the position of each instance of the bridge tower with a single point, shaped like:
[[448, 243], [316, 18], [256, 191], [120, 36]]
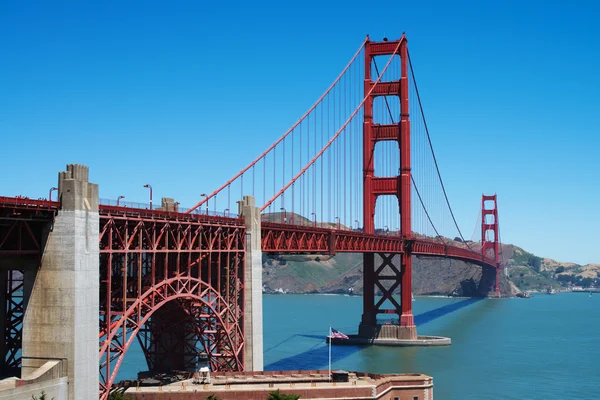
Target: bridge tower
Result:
[[399, 186], [490, 243], [61, 318]]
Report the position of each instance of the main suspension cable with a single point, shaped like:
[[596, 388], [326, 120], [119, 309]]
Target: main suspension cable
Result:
[[412, 72]]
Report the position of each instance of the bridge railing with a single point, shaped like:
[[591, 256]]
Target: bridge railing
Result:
[[175, 208], [26, 202], [279, 237], [142, 210]]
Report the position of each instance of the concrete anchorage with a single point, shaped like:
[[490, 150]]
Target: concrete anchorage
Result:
[[253, 318], [62, 318]]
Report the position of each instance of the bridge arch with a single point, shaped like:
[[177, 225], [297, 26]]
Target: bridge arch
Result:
[[215, 322]]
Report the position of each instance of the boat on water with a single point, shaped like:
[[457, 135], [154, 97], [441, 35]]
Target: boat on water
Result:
[[551, 290], [412, 296]]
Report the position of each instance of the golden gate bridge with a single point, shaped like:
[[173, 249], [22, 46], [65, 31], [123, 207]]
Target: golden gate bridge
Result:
[[356, 173]]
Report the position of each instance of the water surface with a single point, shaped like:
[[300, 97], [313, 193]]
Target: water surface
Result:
[[546, 347]]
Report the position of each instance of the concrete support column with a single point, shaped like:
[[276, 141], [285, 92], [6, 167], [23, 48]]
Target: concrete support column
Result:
[[369, 317], [407, 329], [253, 319], [62, 318], [29, 275]]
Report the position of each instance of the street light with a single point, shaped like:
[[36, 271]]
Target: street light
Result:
[[50, 193], [386, 229], [226, 212], [314, 219], [176, 206], [284, 214], [356, 223], [119, 198], [204, 195], [147, 186], [338, 220]]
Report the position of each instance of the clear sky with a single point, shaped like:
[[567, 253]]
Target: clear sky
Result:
[[182, 95]]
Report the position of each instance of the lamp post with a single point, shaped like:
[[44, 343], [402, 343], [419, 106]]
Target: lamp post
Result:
[[147, 186], [284, 214], [356, 223], [119, 198], [52, 189], [176, 206], [386, 229], [204, 195], [338, 224], [314, 219], [226, 212]]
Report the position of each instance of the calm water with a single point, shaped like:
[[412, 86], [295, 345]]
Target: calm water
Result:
[[546, 347]]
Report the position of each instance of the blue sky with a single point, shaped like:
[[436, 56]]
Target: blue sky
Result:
[[182, 95]]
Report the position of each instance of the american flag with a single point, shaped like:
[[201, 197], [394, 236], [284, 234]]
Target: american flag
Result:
[[335, 334]]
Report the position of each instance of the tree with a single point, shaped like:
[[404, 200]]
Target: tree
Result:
[[42, 397], [560, 269], [213, 397], [116, 395], [565, 278], [587, 282], [279, 396], [457, 239], [535, 262]]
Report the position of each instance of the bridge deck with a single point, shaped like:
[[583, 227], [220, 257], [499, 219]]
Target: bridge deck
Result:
[[280, 238], [294, 239]]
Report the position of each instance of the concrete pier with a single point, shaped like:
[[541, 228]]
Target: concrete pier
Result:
[[61, 320], [253, 315]]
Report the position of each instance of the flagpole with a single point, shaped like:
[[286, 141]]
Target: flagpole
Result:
[[330, 339]]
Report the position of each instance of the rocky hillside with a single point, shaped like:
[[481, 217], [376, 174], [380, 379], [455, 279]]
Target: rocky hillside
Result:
[[343, 272]]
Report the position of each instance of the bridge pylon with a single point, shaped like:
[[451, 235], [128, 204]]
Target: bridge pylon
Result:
[[392, 270], [490, 239]]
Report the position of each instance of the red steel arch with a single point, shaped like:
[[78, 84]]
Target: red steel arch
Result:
[[216, 323], [151, 258]]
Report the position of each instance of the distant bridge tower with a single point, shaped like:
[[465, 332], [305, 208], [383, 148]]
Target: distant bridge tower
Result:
[[490, 239], [387, 276]]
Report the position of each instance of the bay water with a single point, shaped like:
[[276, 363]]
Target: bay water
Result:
[[546, 347]]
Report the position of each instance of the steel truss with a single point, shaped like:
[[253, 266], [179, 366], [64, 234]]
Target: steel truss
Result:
[[13, 321], [23, 223], [282, 238], [192, 268]]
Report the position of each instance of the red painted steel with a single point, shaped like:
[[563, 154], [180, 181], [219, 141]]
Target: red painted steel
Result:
[[23, 222], [491, 246], [384, 132], [399, 186], [296, 239], [149, 258], [25, 203], [13, 302], [406, 318]]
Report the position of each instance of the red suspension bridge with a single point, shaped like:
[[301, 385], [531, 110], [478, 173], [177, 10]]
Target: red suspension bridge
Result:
[[357, 173]]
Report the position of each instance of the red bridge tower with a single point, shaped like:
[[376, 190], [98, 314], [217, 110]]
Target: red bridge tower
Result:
[[490, 244], [387, 276]]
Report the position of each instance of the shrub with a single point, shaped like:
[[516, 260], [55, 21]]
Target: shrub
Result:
[[43, 396], [278, 396]]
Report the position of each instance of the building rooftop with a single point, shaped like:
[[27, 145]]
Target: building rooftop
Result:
[[313, 384]]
